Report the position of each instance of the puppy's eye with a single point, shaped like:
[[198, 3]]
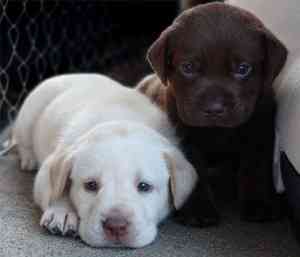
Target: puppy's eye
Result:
[[144, 187], [243, 71], [91, 186], [188, 69]]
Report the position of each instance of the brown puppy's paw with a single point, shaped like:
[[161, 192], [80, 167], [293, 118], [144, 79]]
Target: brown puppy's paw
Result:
[[263, 211], [295, 225], [199, 217]]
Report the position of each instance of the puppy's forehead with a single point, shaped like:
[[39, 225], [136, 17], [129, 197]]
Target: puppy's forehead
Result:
[[216, 26], [125, 157], [218, 13]]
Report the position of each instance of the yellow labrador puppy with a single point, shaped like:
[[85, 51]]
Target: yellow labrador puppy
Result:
[[105, 157]]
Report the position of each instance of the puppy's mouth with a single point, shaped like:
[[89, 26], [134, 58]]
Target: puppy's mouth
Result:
[[117, 239], [124, 241], [228, 118], [121, 239]]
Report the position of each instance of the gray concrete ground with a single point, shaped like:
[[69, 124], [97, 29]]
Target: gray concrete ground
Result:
[[20, 234]]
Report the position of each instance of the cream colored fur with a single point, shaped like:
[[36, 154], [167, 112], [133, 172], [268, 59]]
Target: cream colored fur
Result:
[[81, 127]]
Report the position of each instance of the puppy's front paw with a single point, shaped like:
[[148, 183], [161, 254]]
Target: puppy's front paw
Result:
[[60, 221], [198, 217], [261, 211]]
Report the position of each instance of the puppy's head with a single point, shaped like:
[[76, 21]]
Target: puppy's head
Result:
[[121, 177], [218, 61]]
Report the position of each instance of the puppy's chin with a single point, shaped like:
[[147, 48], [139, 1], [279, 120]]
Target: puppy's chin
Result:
[[94, 236], [212, 122], [230, 120]]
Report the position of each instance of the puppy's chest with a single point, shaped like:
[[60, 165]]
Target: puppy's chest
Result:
[[214, 141], [214, 148]]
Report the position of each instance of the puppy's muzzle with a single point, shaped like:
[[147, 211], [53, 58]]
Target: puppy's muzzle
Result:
[[214, 106], [116, 225]]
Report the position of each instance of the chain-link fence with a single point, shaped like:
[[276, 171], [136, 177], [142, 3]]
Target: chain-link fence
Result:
[[42, 38]]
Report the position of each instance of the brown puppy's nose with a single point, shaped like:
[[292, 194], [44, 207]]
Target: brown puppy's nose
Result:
[[115, 226], [214, 108]]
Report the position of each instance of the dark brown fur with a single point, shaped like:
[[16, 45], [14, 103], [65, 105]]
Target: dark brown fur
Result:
[[185, 4], [223, 120]]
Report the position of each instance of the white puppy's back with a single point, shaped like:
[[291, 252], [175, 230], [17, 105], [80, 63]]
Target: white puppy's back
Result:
[[117, 150], [52, 111]]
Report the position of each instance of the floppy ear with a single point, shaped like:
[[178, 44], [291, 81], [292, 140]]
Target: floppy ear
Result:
[[183, 177], [276, 55], [59, 171], [158, 55], [52, 177]]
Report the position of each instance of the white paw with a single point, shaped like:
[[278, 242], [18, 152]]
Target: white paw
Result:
[[60, 221]]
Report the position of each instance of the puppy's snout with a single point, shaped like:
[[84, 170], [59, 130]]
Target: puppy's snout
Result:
[[115, 226], [215, 102], [214, 108]]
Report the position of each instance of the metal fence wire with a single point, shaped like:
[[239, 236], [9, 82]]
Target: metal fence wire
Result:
[[42, 38]]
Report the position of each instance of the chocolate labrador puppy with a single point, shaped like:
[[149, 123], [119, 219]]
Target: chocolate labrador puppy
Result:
[[214, 71]]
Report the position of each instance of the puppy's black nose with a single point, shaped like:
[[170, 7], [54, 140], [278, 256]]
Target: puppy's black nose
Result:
[[115, 226], [214, 108]]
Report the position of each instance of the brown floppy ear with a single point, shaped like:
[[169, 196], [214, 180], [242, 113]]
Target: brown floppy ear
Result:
[[158, 55], [183, 177], [276, 55]]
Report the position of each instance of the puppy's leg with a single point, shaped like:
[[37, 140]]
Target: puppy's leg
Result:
[[199, 210], [257, 195], [258, 198], [28, 116], [27, 158], [59, 216], [21, 137]]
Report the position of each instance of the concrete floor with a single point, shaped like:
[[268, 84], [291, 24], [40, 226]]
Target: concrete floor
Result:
[[21, 235]]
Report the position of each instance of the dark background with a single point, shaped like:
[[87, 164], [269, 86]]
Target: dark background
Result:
[[39, 39]]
